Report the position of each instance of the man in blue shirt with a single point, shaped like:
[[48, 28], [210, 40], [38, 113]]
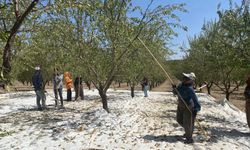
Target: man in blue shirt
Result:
[[37, 80], [188, 105]]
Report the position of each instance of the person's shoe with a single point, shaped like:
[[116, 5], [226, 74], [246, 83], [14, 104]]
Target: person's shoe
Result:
[[189, 141], [40, 109], [62, 107]]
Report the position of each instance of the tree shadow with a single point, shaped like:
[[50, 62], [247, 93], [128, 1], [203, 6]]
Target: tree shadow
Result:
[[208, 104], [21, 94], [222, 120], [168, 114], [164, 138], [52, 120], [217, 134], [91, 97], [224, 132]]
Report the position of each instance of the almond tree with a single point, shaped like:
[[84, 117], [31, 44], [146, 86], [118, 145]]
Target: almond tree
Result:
[[116, 34], [19, 19], [220, 47], [97, 38]]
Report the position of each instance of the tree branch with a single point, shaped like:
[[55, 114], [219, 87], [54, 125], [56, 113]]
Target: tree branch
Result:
[[7, 49], [16, 8], [236, 87], [217, 84], [5, 5]]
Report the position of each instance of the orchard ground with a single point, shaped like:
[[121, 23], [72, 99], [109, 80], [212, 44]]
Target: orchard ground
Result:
[[236, 98], [138, 123]]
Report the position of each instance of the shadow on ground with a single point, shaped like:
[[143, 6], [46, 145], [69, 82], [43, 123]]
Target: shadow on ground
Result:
[[164, 138], [51, 119]]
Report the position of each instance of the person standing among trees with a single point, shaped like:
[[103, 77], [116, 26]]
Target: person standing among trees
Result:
[[54, 83], [58, 86], [247, 96], [187, 110], [37, 81], [145, 86], [78, 88], [68, 83]]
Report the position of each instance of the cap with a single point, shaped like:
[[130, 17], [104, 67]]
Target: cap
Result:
[[191, 75]]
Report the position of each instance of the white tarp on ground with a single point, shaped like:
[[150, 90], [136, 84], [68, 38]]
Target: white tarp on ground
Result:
[[139, 123]]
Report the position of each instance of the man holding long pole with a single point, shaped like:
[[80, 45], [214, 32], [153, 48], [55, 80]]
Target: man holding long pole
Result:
[[186, 113], [193, 110]]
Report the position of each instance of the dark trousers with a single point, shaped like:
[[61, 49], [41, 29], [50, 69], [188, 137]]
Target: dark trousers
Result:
[[77, 90], [248, 112], [69, 95], [186, 119], [58, 91]]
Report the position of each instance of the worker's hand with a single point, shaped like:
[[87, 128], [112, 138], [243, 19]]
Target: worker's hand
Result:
[[174, 89], [173, 86], [194, 113]]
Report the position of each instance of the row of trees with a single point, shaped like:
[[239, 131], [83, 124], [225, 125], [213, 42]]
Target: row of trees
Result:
[[97, 39], [220, 54]]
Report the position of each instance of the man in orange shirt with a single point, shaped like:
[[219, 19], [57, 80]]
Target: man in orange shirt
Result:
[[68, 83]]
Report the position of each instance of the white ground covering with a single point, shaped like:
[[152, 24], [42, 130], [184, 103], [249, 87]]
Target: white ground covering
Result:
[[139, 123]]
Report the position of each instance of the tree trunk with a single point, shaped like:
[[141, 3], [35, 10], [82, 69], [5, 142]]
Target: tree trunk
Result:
[[103, 95], [227, 95], [200, 89], [209, 90], [209, 87], [88, 83], [7, 49], [153, 84], [6, 56], [132, 90]]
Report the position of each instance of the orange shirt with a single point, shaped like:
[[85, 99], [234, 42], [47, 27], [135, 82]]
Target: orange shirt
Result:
[[68, 80]]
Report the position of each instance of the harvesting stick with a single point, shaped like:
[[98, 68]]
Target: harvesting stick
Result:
[[201, 87], [157, 61], [166, 73]]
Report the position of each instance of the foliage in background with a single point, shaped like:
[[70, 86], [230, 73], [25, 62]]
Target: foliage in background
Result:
[[219, 55]]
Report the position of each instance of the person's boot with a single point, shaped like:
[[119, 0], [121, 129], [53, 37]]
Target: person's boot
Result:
[[189, 141], [62, 107]]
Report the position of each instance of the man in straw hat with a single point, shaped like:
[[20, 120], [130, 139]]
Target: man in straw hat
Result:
[[188, 105]]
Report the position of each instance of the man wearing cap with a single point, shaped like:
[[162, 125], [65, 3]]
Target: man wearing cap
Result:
[[188, 105], [37, 81]]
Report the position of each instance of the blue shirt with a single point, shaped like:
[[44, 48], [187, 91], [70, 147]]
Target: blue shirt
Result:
[[188, 95], [37, 80]]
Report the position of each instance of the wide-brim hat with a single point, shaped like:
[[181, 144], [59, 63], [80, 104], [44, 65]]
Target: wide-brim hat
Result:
[[191, 75]]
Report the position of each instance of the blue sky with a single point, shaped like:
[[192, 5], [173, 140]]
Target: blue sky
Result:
[[198, 12]]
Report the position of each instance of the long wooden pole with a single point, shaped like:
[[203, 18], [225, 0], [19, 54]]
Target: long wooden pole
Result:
[[168, 76]]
